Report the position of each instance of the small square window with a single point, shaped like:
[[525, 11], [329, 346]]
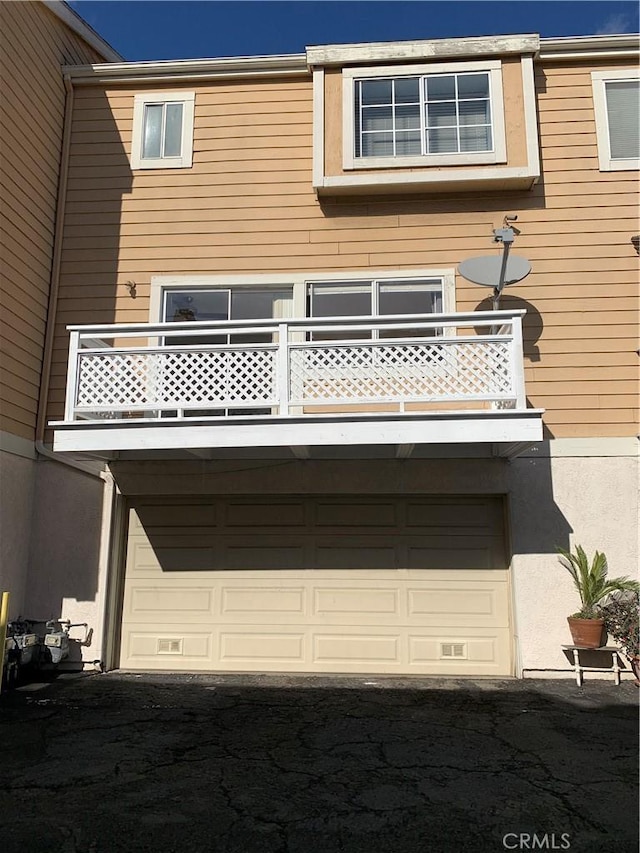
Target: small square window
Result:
[[616, 101], [163, 130]]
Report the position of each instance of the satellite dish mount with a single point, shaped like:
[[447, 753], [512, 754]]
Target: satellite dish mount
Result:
[[495, 272], [505, 235]]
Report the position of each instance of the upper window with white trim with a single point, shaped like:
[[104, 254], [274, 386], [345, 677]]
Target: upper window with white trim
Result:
[[162, 130], [441, 114], [616, 100]]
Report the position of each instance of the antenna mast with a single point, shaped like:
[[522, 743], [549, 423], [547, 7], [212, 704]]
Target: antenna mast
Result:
[[505, 235]]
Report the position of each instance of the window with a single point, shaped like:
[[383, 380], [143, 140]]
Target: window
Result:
[[440, 114], [241, 303], [223, 303], [275, 297], [162, 130], [616, 101], [382, 297]]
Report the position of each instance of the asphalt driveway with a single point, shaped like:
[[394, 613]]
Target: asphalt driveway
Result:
[[241, 764]]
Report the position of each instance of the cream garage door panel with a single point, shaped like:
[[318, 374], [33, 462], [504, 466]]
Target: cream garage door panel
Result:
[[198, 597]]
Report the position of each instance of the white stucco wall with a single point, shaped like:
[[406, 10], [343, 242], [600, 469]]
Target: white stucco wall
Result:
[[17, 478], [561, 493], [561, 497], [67, 572]]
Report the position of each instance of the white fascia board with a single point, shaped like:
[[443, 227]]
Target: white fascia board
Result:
[[530, 116], [66, 14], [189, 69], [428, 179], [590, 47], [318, 126], [403, 51], [455, 428]]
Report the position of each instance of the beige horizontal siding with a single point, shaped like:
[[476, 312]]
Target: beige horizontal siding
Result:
[[35, 43], [247, 206], [104, 292]]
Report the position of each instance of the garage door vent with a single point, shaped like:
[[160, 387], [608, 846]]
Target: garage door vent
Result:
[[453, 650], [169, 647]]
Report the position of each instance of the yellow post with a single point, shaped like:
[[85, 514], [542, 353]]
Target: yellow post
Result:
[[4, 618]]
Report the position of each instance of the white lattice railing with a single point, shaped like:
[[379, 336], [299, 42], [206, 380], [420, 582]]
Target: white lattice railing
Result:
[[213, 370]]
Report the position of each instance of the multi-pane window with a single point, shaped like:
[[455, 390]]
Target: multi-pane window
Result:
[[162, 135], [617, 111], [423, 115]]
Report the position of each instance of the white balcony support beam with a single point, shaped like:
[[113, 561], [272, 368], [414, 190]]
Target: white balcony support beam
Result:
[[301, 451], [487, 427], [510, 451], [200, 453], [404, 451]]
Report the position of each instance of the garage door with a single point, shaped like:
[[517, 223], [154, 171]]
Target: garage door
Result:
[[417, 585]]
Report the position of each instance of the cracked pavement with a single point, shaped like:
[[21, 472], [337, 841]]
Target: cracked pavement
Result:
[[124, 763]]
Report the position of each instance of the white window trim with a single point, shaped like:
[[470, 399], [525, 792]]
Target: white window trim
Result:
[[497, 155], [599, 79], [299, 282], [187, 99]]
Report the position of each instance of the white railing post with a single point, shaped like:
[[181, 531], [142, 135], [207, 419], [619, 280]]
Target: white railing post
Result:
[[72, 376], [282, 370], [517, 362]]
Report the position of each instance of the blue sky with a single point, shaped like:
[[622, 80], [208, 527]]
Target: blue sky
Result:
[[185, 29]]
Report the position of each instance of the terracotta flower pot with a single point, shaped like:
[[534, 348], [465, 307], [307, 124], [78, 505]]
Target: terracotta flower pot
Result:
[[588, 633]]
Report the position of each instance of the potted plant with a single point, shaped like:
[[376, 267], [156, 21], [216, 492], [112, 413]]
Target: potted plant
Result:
[[621, 614], [593, 585]]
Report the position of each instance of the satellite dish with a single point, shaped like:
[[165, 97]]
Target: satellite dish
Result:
[[487, 270], [490, 271]]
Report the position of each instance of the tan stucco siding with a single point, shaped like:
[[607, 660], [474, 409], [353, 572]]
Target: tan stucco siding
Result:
[[247, 206], [35, 43]]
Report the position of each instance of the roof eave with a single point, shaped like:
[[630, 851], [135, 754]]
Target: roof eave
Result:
[[189, 69], [566, 48], [623, 46], [71, 18]]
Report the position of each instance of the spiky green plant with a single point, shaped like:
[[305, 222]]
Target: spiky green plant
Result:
[[591, 581]]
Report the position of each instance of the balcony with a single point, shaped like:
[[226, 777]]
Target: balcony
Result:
[[197, 386]]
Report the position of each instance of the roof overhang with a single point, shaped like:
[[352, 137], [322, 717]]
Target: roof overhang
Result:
[[506, 427], [79, 26], [189, 69], [572, 48], [575, 48]]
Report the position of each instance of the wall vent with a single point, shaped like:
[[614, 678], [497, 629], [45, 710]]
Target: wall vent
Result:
[[453, 650], [169, 647]]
